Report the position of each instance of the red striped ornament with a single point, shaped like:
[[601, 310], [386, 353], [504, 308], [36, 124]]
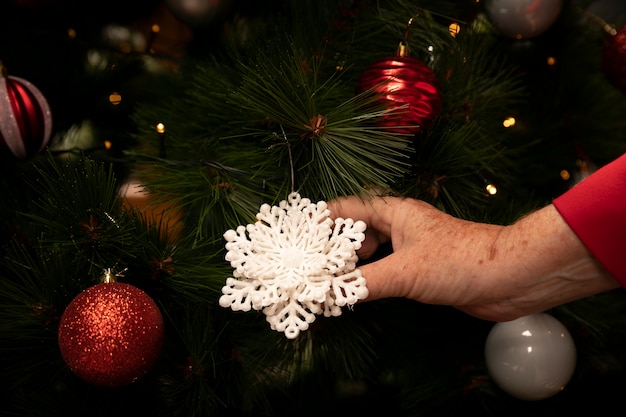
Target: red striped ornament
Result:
[[406, 86], [25, 117]]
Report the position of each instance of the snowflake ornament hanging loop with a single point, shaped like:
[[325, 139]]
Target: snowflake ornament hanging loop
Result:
[[294, 263]]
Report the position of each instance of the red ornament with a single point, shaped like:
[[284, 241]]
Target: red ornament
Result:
[[111, 334], [25, 117], [404, 81], [614, 59]]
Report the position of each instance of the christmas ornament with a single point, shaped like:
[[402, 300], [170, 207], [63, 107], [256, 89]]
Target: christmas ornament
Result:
[[25, 117], [197, 13], [406, 85], [531, 358], [111, 334], [124, 38], [614, 58], [522, 19], [294, 263]]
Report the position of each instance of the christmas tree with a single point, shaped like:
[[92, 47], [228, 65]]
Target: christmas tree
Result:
[[144, 143]]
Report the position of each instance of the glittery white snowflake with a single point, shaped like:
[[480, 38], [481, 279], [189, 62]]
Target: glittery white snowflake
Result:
[[294, 263]]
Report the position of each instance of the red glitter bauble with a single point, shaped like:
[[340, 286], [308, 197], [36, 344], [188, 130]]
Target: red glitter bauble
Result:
[[403, 80], [614, 59], [111, 334], [25, 117]]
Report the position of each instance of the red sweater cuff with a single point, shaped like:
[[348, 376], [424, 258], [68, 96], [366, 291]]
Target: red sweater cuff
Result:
[[595, 209]]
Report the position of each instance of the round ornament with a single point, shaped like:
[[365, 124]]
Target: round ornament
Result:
[[25, 117], [614, 58], [407, 85], [197, 13], [111, 334], [531, 358], [125, 38], [522, 19]]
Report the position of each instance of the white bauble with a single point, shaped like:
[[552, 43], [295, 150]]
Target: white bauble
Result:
[[531, 358], [522, 19], [125, 38]]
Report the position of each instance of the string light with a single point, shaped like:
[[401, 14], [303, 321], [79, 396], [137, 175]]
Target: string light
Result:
[[509, 122], [491, 189], [115, 98], [160, 128], [154, 30], [454, 29]]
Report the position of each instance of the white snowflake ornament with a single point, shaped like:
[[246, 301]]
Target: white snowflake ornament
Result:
[[294, 263]]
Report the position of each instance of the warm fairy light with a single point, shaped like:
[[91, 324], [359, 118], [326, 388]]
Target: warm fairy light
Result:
[[565, 175], [454, 29], [551, 60], [115, 98], [71, 33], [509, 122], [491, 189], [156, 28], [160, 128], [107, 144]]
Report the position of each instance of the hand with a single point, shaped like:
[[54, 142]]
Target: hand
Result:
[[490, 271]]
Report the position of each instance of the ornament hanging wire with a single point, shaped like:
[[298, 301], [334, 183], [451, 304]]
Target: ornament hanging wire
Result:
[[291, 168], [403, 47]]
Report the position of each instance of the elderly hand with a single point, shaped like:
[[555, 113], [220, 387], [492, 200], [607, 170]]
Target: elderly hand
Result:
[[490, 271]]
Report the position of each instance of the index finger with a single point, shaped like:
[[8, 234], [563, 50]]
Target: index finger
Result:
[[377, 212]]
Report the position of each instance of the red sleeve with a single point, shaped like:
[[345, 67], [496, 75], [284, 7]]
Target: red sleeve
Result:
[[595, 209]]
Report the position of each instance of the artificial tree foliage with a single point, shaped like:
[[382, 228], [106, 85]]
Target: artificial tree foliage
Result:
[[268, 107]]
